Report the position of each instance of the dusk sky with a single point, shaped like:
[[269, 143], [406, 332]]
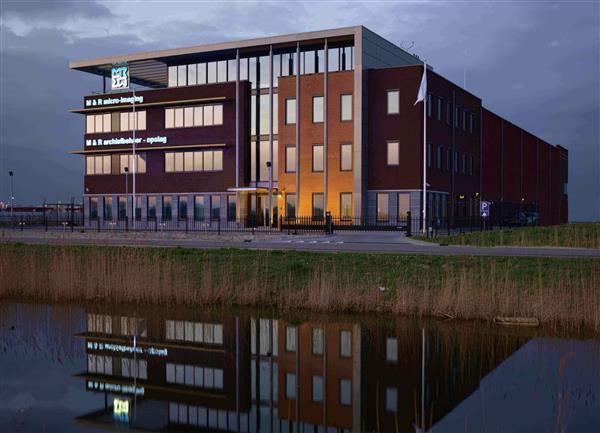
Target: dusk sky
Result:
[[536, 63]]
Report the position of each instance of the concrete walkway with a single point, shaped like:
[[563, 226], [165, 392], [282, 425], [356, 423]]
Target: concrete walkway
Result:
[[374, 242]]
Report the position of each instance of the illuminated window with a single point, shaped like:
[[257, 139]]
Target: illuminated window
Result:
[[318, 202], [290, 111], [346, 205], [383, 206], [393, 101], [290, 339], [346, 157], [345, 344], [346, 108], [317, 109], [393, 153], [317, 160], [317, 341], [290, 159]]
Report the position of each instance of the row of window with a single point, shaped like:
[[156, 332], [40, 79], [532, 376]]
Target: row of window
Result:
[[463, 118], [130, 326], [115, 163], [209, 333], [462, 162], [100, 323], [115, 122], [203, 416], [206, 160], [129, 367], [318, 157], [318, 111], [197, 115], [318, 205], [291, 333], [257, 69], [383, 205], [201, 203], [193, 375], [345, 388]]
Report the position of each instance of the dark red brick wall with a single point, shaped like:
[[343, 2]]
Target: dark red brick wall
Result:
[[155, 180]]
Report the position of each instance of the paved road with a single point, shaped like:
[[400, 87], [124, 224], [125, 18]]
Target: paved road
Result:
[[348, 242]]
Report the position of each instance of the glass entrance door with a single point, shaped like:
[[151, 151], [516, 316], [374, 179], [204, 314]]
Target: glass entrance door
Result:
[[259, 209]]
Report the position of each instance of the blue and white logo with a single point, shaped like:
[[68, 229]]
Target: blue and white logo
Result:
[[120, 77], [485, 209]]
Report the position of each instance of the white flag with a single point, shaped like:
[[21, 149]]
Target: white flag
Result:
[[423, 87]]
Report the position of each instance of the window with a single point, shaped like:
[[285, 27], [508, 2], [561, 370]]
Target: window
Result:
[[290, 338], [290, 205], [199, 207], [464, 120], [345, 392], [172, 76], [290, 386], [393, 153], [382, 206], [429, 105], [403, 204], [440, 108], [127, 161], [346, 205], [208, 160], [317, 157], [181, 75], [107, 208], [182, 207], [231, 207], [429, 154], [317, 341], [346, 157], [94, 208], [448, 160], [192, 75], [346, 108], [138, 207], [215, 207], [471, 122], [391, 399], [393, 101], [440, 155], [127, 121], [167, 208], [317, 109], [212, 72], [464, 163], [290, 111], [99, 164], [317, 205], [391, 349], [97, 123], [122, 207], [317, 389], [187, 117], [449, 113], [346, 344], [456, 115], [471, 165], [151, 207], [290, 159], [455, 161]]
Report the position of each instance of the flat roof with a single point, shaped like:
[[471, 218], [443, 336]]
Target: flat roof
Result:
[[172, 54]]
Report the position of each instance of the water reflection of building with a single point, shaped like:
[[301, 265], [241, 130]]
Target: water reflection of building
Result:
[[233, 373]]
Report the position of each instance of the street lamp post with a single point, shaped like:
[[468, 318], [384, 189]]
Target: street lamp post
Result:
[[12, 194], [126, 170]]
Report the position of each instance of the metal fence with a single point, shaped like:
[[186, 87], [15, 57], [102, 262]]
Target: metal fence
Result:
[[75, 221]]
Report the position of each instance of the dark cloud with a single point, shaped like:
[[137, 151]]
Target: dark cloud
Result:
[[535, 63]]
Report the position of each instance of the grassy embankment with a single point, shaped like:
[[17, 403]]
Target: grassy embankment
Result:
[[578, 235], [556, 291]]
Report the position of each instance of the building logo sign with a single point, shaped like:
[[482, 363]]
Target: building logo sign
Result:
[[120, 76], [122, 141], [121, 348]]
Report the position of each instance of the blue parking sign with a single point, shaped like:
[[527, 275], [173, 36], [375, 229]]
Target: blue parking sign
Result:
[[485, 209]]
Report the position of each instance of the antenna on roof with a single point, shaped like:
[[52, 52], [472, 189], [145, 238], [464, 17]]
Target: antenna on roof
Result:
[[405, 45]]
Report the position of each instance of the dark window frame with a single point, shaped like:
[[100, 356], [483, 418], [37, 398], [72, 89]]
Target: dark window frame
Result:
[[387, 105], [351, 107], [289, 146], [342, 144], [313, 158], [313, 109]]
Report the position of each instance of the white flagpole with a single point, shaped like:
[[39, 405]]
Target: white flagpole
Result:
[[133, 164], [424, 202]]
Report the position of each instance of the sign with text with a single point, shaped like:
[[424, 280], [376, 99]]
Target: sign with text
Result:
[[119, 76], [484, 209], [95, 102], [121, 141]]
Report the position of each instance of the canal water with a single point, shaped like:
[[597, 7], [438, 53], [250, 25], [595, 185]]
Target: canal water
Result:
[[95, 368]]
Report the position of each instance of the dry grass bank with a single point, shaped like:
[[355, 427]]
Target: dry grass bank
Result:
[[576, 235], [557, 291]]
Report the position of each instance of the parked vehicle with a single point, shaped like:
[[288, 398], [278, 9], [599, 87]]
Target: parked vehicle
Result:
[[516, 220]]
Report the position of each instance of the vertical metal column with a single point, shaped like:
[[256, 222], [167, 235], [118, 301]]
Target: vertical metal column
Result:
[[237, 134], [297, 129], [270, 136], [325, 124]]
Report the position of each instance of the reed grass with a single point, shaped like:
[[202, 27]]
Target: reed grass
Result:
[[576, 235], [561, 292]]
